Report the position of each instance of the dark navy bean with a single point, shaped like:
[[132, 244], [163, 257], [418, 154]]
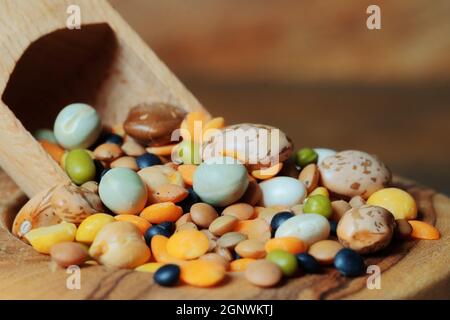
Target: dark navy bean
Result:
[[308, 263], [167, 275], [153, 231], [147, 160], [189, 201], [279, 218], [167, 225], [333, 228], [349, 263]]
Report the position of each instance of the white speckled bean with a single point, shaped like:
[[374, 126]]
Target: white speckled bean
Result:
[[309, 228]]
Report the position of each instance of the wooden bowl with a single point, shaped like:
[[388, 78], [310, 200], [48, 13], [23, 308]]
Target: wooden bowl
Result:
[[410, 270]]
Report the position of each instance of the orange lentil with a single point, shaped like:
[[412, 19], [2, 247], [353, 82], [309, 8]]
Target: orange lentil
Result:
[[188, 244], [55, 151], [423, 230], [139, 222], [160, 212], [161, 151], [257, 229], [202, 273], [159, 250], [240, 264], [290, 244], [170, 193], [267, 173], [187, 173]]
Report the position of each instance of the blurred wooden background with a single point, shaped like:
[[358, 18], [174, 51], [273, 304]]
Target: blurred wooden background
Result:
[[315, 70]]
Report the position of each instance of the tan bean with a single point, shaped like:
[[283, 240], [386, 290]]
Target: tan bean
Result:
[[263, 273], [242, 211], [125, 162], [203, 214], [170, 192], [222, 225], [253, 249], [324, 251], [224, 252], [91, 186], [69, 253], [217, 258], [297, 209], [267, 214], [107, 152], [340, 207], [357, 202], [132, 148], [185, 218], [212, 239], [187, 226], [310, 177], [231, 239]]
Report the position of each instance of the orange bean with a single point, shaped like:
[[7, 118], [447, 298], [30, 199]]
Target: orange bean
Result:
[[188, 244], [257, 229], [55, 151], [161, 151], [202, 273], [290, 244], [267, 173], [240, 264], [160, 212], [194, 123], [159, 250], [139, 222], [423, 230], [187, 173]]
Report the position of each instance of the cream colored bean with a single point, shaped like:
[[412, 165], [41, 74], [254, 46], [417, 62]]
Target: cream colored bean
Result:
[[132, 148], [125, 162], [242, 211], [357, 202], [339, 207], [253, 249], [212, 239], [224, 252], [91, 186], [187, 226], [231, 239], [203, 214], [222, 225]]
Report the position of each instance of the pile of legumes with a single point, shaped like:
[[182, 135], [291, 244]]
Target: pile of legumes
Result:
[[188, 199]]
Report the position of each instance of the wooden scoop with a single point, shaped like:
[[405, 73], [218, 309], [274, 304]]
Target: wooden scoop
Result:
[[45, 66]]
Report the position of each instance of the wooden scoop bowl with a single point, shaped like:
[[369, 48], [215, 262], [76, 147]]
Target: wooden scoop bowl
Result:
[[45, 66]]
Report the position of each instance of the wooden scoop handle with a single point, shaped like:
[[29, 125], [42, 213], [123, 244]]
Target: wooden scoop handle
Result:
[[44, 66]]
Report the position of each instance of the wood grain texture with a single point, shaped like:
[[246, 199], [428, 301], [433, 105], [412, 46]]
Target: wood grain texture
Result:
[[44, 66], [410, 270]]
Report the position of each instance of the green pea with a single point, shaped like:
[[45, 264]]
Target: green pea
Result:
[[79, 166], [189, 152], [306, 156], [318, 204], [286, 261]]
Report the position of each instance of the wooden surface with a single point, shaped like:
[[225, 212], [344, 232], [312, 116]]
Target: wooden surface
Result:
[[410, 270], [44, 66]]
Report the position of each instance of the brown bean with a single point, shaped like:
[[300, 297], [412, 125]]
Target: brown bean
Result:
[[185, 218], [403, 229], [253, 249], [253, 193], [242, 211], [310, 177], [217, 258], [170, 192], [68, 253], [107, 152], [132, 148], [339, 207], [324, 251], [203, 214], [222, 225], [224, 252], [125, 162], [263, 273], [231, 239], [357, 202]]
